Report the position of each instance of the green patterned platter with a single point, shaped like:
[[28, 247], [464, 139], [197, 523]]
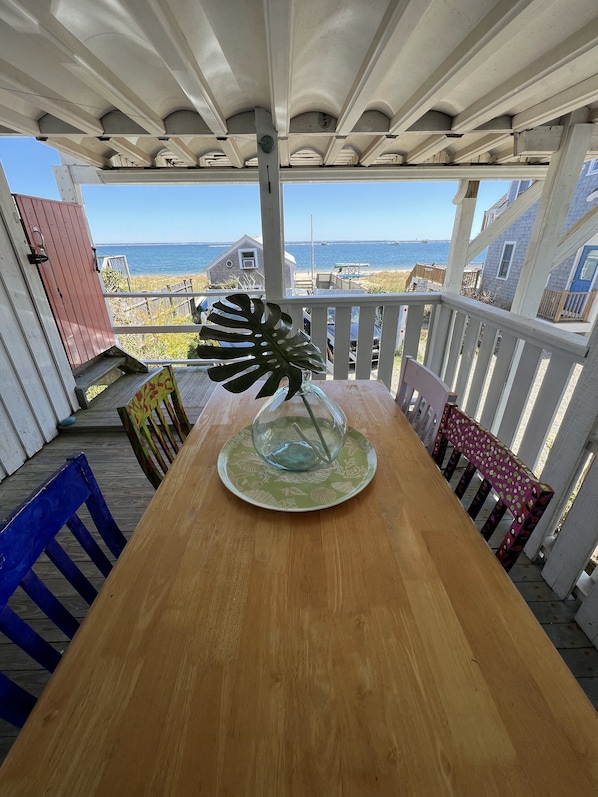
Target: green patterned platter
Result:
[[246, 474]]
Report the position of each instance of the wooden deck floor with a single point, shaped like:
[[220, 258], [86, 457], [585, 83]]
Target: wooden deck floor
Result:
[[98, 433]]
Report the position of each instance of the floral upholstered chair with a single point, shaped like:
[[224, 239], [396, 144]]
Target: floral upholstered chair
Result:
[[502, 476]]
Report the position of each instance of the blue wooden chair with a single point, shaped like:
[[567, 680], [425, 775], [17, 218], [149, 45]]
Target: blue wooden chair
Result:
[[54, 527]]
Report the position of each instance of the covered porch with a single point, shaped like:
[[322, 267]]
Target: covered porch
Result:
[[274, 93]]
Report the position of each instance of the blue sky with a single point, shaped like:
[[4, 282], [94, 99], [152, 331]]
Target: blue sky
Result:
[[175, 214]]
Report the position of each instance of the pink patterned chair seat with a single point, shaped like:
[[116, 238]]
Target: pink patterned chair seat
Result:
[[503, 474]]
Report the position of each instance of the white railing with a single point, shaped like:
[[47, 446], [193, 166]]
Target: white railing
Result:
[[513, 374], [509, 372]]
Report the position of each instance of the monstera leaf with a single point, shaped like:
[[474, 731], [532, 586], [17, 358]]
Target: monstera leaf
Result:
[[258, 339]]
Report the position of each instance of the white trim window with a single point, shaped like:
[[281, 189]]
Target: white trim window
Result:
[[593, 166], [247, 259], [506, 259]]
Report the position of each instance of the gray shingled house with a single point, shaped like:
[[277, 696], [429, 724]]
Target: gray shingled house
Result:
[[243, 262], [570, 287]]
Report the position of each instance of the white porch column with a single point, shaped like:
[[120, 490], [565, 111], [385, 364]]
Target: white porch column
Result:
[[465, 199], [557, 193], [271, 205]]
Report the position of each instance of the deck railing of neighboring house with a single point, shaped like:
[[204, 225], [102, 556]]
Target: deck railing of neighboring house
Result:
[[432, 277], [566, 305]]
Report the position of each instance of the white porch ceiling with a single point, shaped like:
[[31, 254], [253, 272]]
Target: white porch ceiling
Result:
[[167, 89]]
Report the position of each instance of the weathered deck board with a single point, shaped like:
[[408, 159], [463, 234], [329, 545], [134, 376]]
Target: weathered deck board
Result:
[[128, 493]]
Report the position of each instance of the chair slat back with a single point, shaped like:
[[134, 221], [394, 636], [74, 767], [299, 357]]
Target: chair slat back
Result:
[[422, 396], [66, 525], [502, 474], [156, 423]]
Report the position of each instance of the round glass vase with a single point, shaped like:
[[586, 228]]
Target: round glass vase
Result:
[[302, 433]]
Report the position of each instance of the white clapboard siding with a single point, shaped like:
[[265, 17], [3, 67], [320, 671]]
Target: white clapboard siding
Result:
[[37, 388]]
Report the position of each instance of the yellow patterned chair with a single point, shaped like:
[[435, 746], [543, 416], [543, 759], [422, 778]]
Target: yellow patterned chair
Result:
[[156, 423]]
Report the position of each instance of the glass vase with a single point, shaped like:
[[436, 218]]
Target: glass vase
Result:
[[302, 433]]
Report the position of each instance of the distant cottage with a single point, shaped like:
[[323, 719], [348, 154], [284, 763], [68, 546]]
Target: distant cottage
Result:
[[243, 264]]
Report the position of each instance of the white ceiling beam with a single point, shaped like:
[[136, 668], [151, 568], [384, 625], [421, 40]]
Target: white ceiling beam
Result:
[[397, 25], [161, 28], [545, 140], [335, 145], [427, 149], [84, 64], [562, 103], [77, 151], [480, 147], [371, 153], [49, 99], [232, 152], [18, 122], [124, 147], [180, 150], [496, 101], [284, 152], [278, 17], [325, 174], [494, 30]]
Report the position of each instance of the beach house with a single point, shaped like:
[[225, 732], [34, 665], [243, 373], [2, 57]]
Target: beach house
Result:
[[276, 93], [241, 266], [570, 285]]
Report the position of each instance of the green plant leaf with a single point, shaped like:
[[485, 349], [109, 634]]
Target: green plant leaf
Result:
[[267, 345]]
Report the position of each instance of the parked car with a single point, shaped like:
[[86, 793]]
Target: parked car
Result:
[[354, 331]]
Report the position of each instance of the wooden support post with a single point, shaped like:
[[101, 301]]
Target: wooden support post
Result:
[[465, 200], [559, 186], [271, 205]]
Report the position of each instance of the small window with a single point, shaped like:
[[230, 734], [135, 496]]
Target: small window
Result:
[[593, 166], [248, 258], [505, 260]]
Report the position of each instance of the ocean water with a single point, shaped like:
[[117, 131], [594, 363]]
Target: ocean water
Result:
[[187, 258]]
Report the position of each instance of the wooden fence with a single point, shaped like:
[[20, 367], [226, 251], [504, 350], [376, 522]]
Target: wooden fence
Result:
[[152, 305]]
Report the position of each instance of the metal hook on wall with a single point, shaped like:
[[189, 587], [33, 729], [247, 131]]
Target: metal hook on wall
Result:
[[39, 256]]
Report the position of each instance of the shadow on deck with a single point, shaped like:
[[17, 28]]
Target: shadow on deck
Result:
[[99, 434]]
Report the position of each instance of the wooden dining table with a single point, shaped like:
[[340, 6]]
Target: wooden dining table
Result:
[[373, 647]]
